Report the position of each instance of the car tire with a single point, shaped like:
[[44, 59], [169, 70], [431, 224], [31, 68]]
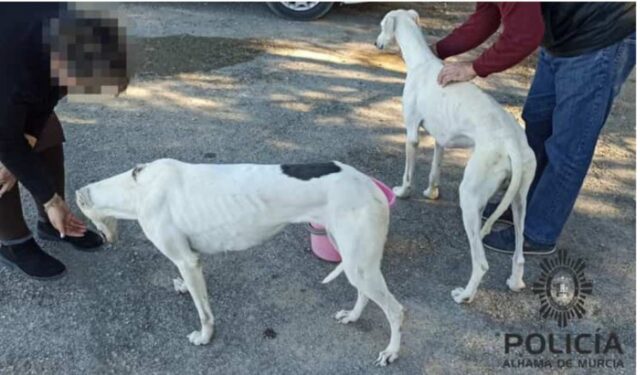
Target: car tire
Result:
[[300, 11]]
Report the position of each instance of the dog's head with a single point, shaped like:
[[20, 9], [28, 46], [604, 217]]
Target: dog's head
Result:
[[107, 226], [113, 198], [389, 23]]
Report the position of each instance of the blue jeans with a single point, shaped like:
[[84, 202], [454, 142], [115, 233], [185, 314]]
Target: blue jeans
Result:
[[568, 103]]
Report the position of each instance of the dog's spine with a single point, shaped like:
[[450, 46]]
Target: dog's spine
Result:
[[516, 177]]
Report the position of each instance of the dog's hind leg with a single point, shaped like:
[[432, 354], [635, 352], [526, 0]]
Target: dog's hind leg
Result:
[[433, 190], [411, 147], [515, 281], [480, 181], [519, 209], [361, 252], [348, 316], [175, 246], [371, 283]]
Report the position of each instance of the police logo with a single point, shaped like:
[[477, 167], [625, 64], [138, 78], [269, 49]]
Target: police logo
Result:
[[562, 288]]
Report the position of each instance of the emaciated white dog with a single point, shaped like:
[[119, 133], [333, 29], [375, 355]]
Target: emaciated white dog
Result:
[[186, 209], [461, 115]]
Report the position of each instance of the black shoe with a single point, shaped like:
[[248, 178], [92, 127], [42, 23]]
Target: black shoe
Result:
[[504, 241], [91, 241], [506, 217], [29, 258]]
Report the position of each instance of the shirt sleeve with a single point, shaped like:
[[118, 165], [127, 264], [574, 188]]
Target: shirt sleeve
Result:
[[15, 152], [523, 30], [18, 157], [473, 32]]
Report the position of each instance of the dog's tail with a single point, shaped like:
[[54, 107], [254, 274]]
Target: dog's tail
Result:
[[516, 177], [335, 273]]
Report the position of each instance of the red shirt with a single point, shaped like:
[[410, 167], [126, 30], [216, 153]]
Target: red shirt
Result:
[[523, 29]]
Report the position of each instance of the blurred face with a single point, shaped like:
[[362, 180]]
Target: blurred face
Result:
[[88, 54]]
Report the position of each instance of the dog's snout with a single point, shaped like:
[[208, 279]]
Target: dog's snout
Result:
[[82, 198]]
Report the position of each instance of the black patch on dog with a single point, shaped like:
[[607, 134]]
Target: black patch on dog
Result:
[[137, 171], [306, 172]]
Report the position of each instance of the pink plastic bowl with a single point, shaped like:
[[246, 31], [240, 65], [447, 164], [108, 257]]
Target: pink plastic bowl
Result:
[[320, 243]]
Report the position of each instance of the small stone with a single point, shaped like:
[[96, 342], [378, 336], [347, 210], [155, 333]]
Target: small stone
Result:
[[269, 333]]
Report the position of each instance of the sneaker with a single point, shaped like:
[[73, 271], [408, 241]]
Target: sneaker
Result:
[[504, 241], [29, 258], [506, 217], [91, 241]]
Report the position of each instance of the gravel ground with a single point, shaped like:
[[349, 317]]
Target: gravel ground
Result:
[[225, 83]]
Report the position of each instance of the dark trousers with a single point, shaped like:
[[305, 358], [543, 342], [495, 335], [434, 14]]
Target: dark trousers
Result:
[[50, 151]]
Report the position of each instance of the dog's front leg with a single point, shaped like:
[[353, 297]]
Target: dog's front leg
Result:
[[433, 191], [191, 272], [175, 246], [411, 147]]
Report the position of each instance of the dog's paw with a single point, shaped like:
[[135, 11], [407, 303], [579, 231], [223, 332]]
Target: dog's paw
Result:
[[461, 296], [515, 285], [180, 286], [432, 193], [386, 357], [199, 338], [402, 191], [345, 316]]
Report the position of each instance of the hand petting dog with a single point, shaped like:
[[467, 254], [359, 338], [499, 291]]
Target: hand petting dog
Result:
[[456, 72]]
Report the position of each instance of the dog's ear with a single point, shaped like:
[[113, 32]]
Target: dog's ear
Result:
[[389, 23], [414, 16], [136, 171]]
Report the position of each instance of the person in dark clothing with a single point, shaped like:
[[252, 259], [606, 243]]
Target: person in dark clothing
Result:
[[588, 51], [47, 51]]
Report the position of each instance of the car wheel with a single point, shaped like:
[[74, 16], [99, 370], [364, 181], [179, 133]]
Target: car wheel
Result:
[[300, 10]]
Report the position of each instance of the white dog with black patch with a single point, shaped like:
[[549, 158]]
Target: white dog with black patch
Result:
[[461, 115], [187, 209]]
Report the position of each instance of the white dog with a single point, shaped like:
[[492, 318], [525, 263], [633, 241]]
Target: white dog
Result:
[[461, 115], [185, 209]]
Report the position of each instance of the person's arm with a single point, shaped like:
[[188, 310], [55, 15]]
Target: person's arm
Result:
[[20, 161], [16, 154], [24, 72], [523, 30], [472, 33], [17, 159]]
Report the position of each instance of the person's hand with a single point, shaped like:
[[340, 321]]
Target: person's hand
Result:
[[7, 180], [456, 72], [62, 219]]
